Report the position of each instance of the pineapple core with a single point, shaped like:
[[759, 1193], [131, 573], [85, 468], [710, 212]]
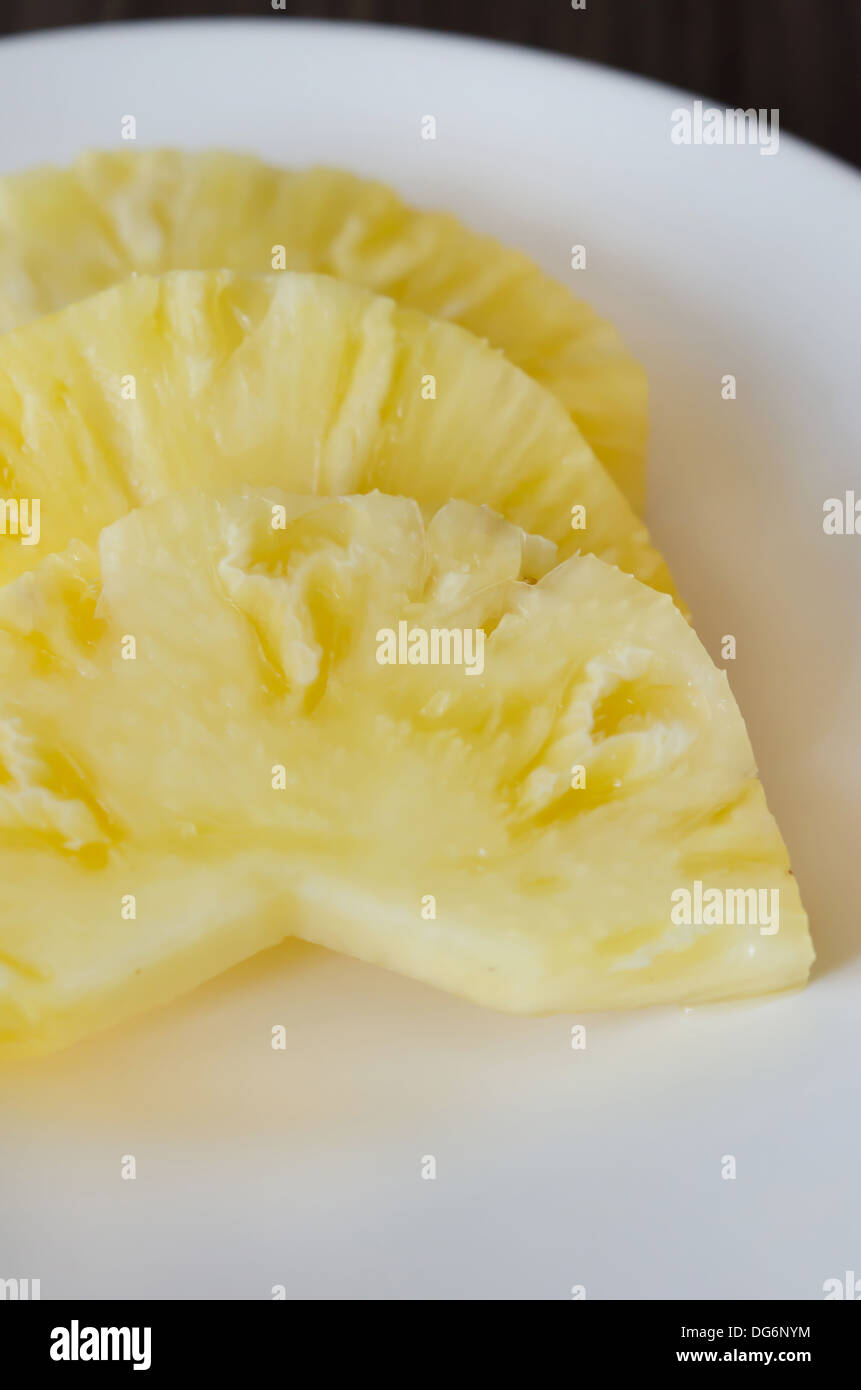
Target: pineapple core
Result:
[[203, 752]]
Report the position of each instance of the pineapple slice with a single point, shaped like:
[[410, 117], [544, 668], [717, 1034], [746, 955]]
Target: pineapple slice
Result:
[[66, 234], [212, 379], [205, 749]]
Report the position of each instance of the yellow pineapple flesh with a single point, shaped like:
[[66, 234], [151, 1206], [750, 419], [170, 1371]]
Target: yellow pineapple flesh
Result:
[[68, 233], [212, 379], [205, 748]]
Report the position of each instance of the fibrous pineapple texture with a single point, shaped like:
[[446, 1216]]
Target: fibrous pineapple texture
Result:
[[69, 233], [205, 724], [210, 379]]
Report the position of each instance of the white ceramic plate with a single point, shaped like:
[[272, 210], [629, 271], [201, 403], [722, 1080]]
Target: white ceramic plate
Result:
[[556, 1167]]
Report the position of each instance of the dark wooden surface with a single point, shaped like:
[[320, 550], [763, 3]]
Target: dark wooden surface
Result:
[[802, 56]]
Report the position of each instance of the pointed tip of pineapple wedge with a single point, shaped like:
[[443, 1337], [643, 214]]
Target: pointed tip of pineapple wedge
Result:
[[214, 735]]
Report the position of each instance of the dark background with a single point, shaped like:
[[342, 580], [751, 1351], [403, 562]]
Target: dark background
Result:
[[802, 56]]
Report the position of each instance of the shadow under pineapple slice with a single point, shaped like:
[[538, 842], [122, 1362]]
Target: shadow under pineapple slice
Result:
[[252, 769], [68, 233], [210, 379]]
